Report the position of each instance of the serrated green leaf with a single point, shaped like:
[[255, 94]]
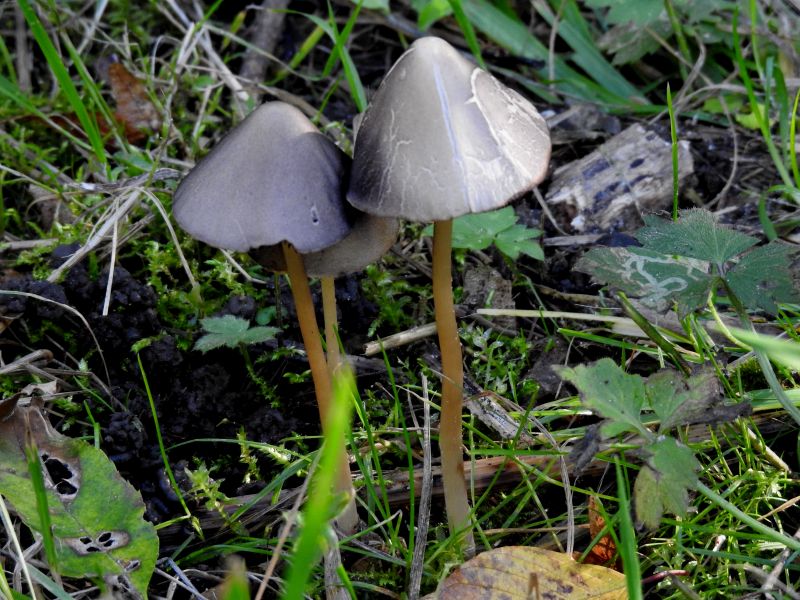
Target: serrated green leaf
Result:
[[680, 401], [610, 393], [96, 518], [697, 234], [765, 277], [676, 471], [226, 325], [657, 280], [677, 401], [517, 240], [230, 332], [257, 335], [664, 481], [479, 231], [646, 498]]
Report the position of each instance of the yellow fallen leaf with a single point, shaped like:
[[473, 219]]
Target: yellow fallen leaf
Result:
[[525, 573]]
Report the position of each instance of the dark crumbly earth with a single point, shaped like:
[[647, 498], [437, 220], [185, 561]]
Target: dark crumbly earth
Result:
[[196, 395]]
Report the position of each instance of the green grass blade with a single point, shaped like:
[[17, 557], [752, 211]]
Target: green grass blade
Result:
[[56, 63], [40, 492], [627, 536], [316, 514], [162, 450], [793, 140], [573, 30], [673, 134], [761, 118], [512, 34], [468, 30], [767, 532], [340, 51]]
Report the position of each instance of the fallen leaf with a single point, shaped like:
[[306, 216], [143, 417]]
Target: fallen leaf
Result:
[[96, 518], [135, 112], [604, 552], [522, 572]]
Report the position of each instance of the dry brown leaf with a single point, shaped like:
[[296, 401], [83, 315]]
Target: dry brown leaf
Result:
[[134, 112], [604, 551], [524, 573]]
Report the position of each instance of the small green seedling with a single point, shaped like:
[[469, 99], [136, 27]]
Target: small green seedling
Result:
[[628, 403], [232, 332], [498, 227]]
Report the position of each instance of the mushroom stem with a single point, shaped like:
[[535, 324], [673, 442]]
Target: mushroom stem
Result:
[[301, 292], [455, 491], [330, 318]]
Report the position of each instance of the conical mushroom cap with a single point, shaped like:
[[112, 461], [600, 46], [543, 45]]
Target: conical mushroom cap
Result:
[[273, 178], [368, 240], [442, 138]]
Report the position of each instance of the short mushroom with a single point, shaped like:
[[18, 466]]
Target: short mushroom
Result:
[[368, 240], [274, 180], [442, 138]]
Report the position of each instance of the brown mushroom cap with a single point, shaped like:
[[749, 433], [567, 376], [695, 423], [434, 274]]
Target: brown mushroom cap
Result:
[[273, 178], [368, 240], [442, 138]]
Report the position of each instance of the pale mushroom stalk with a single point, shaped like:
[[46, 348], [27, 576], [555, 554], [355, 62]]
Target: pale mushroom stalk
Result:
[[450, 436], [330, 319], [320, 373]]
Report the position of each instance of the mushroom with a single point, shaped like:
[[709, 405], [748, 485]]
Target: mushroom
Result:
[[442, 138], [274, 180]]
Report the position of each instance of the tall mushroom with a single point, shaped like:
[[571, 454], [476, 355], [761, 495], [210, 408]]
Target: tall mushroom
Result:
[[442, 138], [275, 180]]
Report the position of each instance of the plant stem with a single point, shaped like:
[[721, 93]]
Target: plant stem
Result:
[[330, 318], [762, 358], [455, 491], [309, 329], [755, 524]]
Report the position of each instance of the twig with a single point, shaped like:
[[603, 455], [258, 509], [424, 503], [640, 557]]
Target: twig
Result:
[[400, 339], [423, 519]]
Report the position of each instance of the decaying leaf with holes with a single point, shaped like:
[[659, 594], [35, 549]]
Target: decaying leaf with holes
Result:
[[522, 572], [96, 517]]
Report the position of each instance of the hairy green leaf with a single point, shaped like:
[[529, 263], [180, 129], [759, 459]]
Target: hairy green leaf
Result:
[[649, 508], [678, 401], [230, 331], [517, 240], [766, 276], [664, 481], [655, 279], [676, 469], [675, 265], [611, 393], [697, 234]]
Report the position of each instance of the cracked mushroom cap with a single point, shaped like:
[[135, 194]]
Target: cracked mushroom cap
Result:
[[442, 138], [273, 178], [368, 240]]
